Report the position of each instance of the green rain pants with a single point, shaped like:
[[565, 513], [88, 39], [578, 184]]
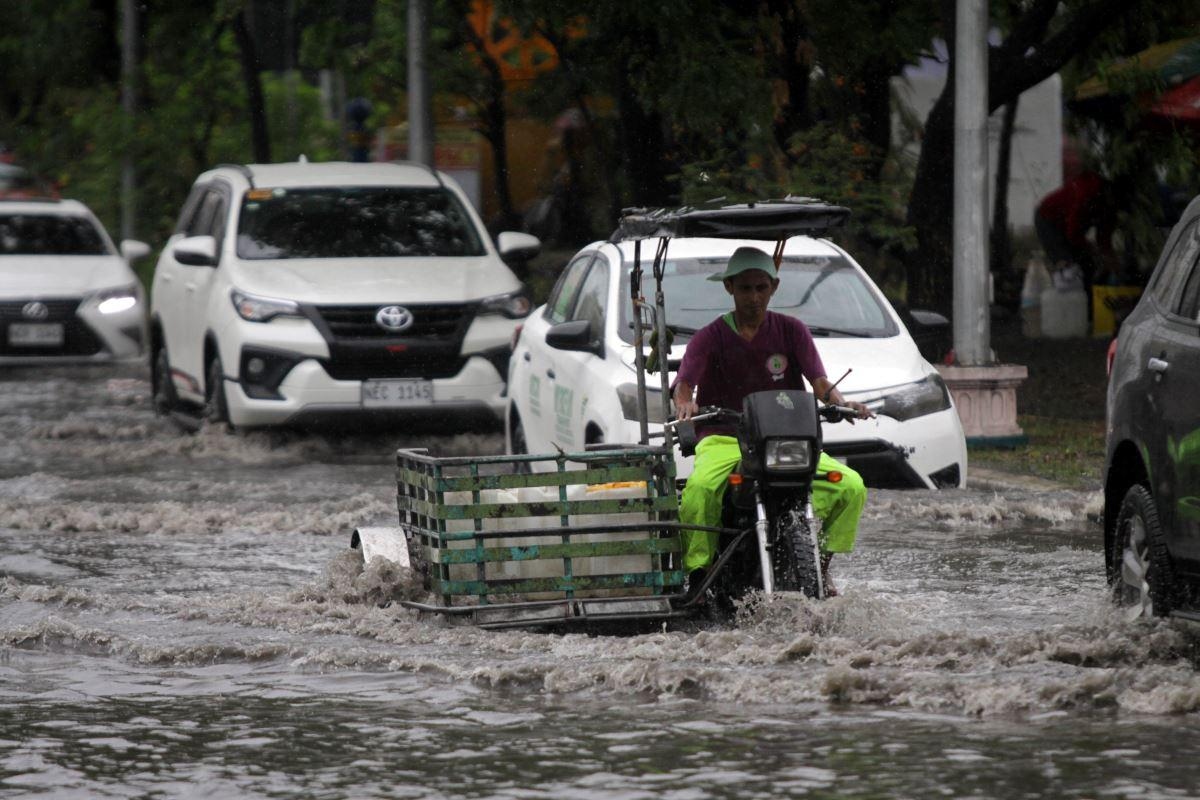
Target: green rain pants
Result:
[[838, 505]]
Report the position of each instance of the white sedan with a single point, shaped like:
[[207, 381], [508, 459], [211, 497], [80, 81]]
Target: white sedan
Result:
[[66, 293], [572, 380]]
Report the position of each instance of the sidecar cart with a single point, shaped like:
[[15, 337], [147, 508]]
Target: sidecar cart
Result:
[[581, 537], [536, 540]]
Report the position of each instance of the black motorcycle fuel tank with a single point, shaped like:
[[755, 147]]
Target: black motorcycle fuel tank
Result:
[[776, 414]]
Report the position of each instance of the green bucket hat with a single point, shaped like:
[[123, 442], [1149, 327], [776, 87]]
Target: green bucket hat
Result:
[[746, 258]]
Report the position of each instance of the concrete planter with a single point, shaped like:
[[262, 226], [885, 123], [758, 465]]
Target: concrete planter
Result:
[[986, 398]]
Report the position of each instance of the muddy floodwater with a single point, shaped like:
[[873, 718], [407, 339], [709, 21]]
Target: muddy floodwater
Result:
[[180, 616]]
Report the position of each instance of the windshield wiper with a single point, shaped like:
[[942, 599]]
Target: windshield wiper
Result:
[[822, 330]]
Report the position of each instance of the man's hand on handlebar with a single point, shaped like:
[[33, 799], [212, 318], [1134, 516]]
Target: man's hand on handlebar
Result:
[[685, 401], [862, 411]]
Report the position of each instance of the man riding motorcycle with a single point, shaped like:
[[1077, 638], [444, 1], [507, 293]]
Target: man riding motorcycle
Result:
[[747, 350]]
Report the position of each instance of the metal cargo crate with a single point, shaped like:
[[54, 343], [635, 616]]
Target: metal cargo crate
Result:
[[518, 540]]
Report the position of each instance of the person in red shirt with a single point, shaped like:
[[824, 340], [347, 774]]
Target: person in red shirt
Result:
[[1065, 216], [752, 349]]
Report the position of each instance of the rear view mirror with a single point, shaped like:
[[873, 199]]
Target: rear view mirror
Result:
[[132, 249], [518, 246], [197, 251], [931, 332], [575, 336]]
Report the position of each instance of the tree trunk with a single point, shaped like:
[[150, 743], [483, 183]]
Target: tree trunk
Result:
[[1001, 249], [259, 138], [931, 211]]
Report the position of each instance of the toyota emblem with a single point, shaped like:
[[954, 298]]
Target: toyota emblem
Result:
[[394, 318], [35, 310]]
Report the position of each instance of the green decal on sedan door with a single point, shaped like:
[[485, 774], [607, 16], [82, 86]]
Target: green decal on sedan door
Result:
[[563, 399], [535, 396]]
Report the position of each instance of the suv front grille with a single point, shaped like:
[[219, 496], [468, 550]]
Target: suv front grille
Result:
[[78, 338], [429, 321], [360, 349]]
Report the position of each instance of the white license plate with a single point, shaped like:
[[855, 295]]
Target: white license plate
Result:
[[36, 334], [396, 393]]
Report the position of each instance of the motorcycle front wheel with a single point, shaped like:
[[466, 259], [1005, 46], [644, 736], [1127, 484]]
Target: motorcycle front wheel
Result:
[[797, 554]]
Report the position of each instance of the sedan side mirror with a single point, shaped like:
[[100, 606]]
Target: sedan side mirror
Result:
[[197, 251], [132, 249], [518, 246], [931, 331], [575, 336]]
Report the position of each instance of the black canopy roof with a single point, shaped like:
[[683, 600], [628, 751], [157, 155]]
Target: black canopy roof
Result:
[[767, 219]]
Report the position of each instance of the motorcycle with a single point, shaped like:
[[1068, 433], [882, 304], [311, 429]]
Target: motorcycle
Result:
[[768, 539]]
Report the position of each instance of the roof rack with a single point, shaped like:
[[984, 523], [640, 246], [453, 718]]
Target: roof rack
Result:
[[771, 220]]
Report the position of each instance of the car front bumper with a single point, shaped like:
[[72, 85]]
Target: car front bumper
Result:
[[308, 393], [89, 337]]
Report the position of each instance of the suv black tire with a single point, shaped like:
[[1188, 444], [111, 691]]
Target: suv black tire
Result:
[[162, 388], [215, 407], [1140, 537]]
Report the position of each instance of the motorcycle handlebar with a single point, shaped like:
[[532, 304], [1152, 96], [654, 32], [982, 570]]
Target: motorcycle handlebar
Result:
[[829, 413]]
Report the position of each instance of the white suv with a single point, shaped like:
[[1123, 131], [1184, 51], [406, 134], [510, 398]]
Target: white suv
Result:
[[295, 292]]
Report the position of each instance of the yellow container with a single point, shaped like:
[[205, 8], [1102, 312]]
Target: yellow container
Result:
[[1111, 303]]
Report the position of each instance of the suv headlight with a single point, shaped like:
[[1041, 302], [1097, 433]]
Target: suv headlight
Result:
[[262, 309], [514, 306], [912, 400], [114, 301], [788, 455]]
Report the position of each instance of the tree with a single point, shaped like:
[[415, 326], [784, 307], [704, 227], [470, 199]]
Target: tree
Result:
[[1040, 42]]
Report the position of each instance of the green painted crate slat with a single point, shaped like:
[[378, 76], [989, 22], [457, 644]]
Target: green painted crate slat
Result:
[[600, 521], [559, 531], [459, 511], [468, 483], [646, 580], [572, 550]]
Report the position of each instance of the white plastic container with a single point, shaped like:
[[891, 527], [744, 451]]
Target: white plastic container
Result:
[[1063, 313], [1037, 279]]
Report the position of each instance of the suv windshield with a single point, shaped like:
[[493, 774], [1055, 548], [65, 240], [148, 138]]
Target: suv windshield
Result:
[[825, 292], [354, 222], [49, 235]]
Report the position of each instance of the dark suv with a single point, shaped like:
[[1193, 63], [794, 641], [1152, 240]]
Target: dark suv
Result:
[[1152, 469]]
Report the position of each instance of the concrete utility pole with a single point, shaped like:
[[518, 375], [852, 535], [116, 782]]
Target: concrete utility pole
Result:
[[972, 323], [420, 106], [985, 393], [129, 107]]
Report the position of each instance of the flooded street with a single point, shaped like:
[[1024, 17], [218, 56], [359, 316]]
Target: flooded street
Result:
[[180, 616]]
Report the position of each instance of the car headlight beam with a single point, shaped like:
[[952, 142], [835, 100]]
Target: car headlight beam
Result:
[[926, 396], [253, 308], [515, 305], [114, 301], [628, 395]]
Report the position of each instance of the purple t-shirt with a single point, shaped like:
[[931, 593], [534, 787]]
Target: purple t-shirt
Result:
[[725, 367]]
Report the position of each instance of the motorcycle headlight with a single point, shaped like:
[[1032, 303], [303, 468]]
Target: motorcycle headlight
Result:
[[514, 306], [262, 309], [912, 400], [114, 301], [628, 395], [788, 455]]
